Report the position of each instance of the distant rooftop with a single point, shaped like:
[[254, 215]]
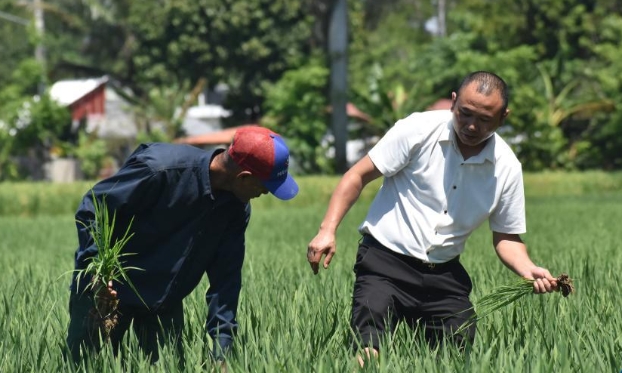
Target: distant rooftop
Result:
[[66, 92], [208, 111]]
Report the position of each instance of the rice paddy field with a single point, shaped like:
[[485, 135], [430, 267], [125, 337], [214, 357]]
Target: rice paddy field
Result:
[[293, 321]]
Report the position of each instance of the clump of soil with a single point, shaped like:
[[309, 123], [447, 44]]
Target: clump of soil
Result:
[[564, 283], [105, 313]]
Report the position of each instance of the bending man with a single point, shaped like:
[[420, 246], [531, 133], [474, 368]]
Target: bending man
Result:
[[190, 209]]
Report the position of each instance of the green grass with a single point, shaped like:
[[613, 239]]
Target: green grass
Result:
[[29, 199], [293, 321]]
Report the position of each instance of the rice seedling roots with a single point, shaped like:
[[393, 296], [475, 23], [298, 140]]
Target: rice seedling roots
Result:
[[105, 313], [565, 285]]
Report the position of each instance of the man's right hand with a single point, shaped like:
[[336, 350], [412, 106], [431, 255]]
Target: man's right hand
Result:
[[106, 297], [322, 244]]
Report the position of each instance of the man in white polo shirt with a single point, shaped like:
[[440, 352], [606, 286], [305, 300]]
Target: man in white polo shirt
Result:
[[445, 173]]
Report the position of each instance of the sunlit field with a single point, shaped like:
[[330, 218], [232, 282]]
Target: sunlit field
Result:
[[293, 321]]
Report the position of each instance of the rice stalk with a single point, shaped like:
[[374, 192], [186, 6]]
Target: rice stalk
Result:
[[503, 296], [508, 294], [106, 266]]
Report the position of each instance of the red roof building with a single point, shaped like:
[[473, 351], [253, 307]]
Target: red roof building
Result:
[[86, 98]]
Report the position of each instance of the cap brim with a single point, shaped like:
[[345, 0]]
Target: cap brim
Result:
[[284, 189]]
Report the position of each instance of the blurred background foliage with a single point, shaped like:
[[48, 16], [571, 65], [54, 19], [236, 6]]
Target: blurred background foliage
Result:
[[561, 59]]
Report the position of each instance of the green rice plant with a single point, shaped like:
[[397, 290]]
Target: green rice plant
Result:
[[503, 296], [286, 314], [508, 294], [106, 266]]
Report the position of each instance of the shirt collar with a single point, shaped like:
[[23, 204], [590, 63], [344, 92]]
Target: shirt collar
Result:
[[218, 196], [205, 163], [487, 154]]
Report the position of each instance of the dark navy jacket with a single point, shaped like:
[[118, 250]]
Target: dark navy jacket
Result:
[[181, 229]]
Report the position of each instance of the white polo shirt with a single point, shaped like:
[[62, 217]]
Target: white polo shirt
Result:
[[431, 198]]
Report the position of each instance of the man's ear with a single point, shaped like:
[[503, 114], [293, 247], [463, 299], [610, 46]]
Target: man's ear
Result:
[[454, 97], [505, 115], [243, 174]]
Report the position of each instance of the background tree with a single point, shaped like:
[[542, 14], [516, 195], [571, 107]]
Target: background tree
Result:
[[602, 148], [243, 44], [157, 54], [14, 44], [296, 107], [28, 122]]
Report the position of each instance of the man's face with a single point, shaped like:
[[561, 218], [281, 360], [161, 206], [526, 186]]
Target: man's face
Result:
[[476, 116], [248, 187]]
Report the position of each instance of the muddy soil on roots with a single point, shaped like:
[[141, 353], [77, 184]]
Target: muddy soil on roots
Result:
[[565, 285], [105, 313]]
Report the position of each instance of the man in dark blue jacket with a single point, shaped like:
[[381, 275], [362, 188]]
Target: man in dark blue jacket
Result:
[[188, 210]]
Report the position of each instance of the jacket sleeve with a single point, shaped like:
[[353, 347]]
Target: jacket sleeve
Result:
[[225, 277], [131, 190]]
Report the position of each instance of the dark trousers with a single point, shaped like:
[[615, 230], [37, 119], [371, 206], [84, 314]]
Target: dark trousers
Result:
[[152, 330], [392, 287]]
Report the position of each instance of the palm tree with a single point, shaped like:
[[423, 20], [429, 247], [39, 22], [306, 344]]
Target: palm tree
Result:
[[561, 107]]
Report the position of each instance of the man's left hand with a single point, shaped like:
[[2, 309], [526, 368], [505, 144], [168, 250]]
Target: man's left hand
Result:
[[543, 281]]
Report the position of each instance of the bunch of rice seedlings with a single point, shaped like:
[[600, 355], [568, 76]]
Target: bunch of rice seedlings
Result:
[[508, 294], [106, 267]]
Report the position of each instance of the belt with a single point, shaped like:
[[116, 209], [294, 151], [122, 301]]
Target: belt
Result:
[[370, 241]]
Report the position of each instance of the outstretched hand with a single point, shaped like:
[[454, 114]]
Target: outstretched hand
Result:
[[322, 244]]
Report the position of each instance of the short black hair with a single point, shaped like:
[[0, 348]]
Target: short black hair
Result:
[[487, 83]]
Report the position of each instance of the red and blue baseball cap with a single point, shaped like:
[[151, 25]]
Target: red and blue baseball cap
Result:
[[264, 154]]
